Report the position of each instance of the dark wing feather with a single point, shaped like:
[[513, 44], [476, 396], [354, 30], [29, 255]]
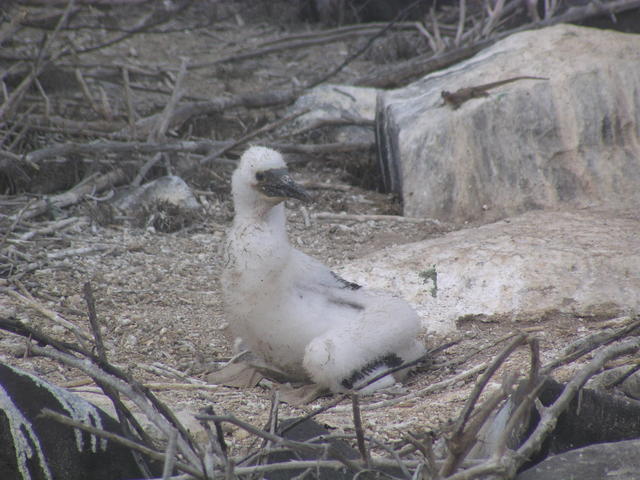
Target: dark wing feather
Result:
[[345, 283]]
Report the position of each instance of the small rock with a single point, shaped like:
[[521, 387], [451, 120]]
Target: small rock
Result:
[[170, 189], [125, 321], [58, 330], [330, 102], [188, 420]]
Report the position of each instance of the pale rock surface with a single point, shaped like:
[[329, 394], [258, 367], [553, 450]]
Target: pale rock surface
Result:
[[331, 102], [570, 141], [581, 263]]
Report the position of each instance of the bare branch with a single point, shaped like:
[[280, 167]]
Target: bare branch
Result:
[[357, 424], [264, 129], [76, 194], [11, 103]]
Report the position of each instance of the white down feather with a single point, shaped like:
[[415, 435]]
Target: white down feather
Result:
[[291, 310]]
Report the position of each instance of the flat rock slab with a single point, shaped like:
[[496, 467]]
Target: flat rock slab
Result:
[[584, 263], [570, 141]]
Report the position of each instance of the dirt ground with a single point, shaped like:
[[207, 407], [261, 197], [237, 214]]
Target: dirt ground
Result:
[[158, 294]]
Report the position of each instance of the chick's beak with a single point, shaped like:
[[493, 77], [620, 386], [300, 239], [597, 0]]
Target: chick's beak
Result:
[[278, 183]]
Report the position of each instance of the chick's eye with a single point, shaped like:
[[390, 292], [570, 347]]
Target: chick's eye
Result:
[[260, 176]]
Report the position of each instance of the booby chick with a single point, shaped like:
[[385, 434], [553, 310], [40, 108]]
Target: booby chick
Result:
[[293, 312]]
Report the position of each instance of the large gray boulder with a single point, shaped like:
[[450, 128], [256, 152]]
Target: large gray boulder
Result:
[[580, 263], [570, 141]]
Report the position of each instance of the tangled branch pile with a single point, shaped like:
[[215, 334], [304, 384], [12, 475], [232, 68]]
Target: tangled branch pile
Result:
[[413, 458]]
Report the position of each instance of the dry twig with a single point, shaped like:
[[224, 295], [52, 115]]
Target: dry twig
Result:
[[10, 104], [264, 129], [357, 424], [506, 465], [345, 217], [76, 194], [460, 443]]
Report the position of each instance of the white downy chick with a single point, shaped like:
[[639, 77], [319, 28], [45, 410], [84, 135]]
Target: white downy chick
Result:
[[291, 310]]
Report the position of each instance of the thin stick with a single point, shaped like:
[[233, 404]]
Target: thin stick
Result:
[[579, 349], [81, 336], [276, 439], [326, 186], [407, 365], [94, 148], [365, 29], [401, 72], [299, 446], [273, 412], [9, 133], [165, 118], [315, 412], [440, 45], [458, 443], [357, 424], [160, 130], [425, 33], [375, 218], [321, 149], [484, 379], [74, 252], [550, 414], [294, 42], [56, 226], [170, 455], [13, 25], [128, 97], [47, 102], [149, 164], [76, 194], [508, 463], [105, 106], [11, 103], [217, 444], [462, 10], [200, 147], [153, 19], [331, 122], [426, 449], [266, 128], [289, 465], [85, 91], [93, 321], [361, 50], [157, 386], [16, 220], [394, 455]]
